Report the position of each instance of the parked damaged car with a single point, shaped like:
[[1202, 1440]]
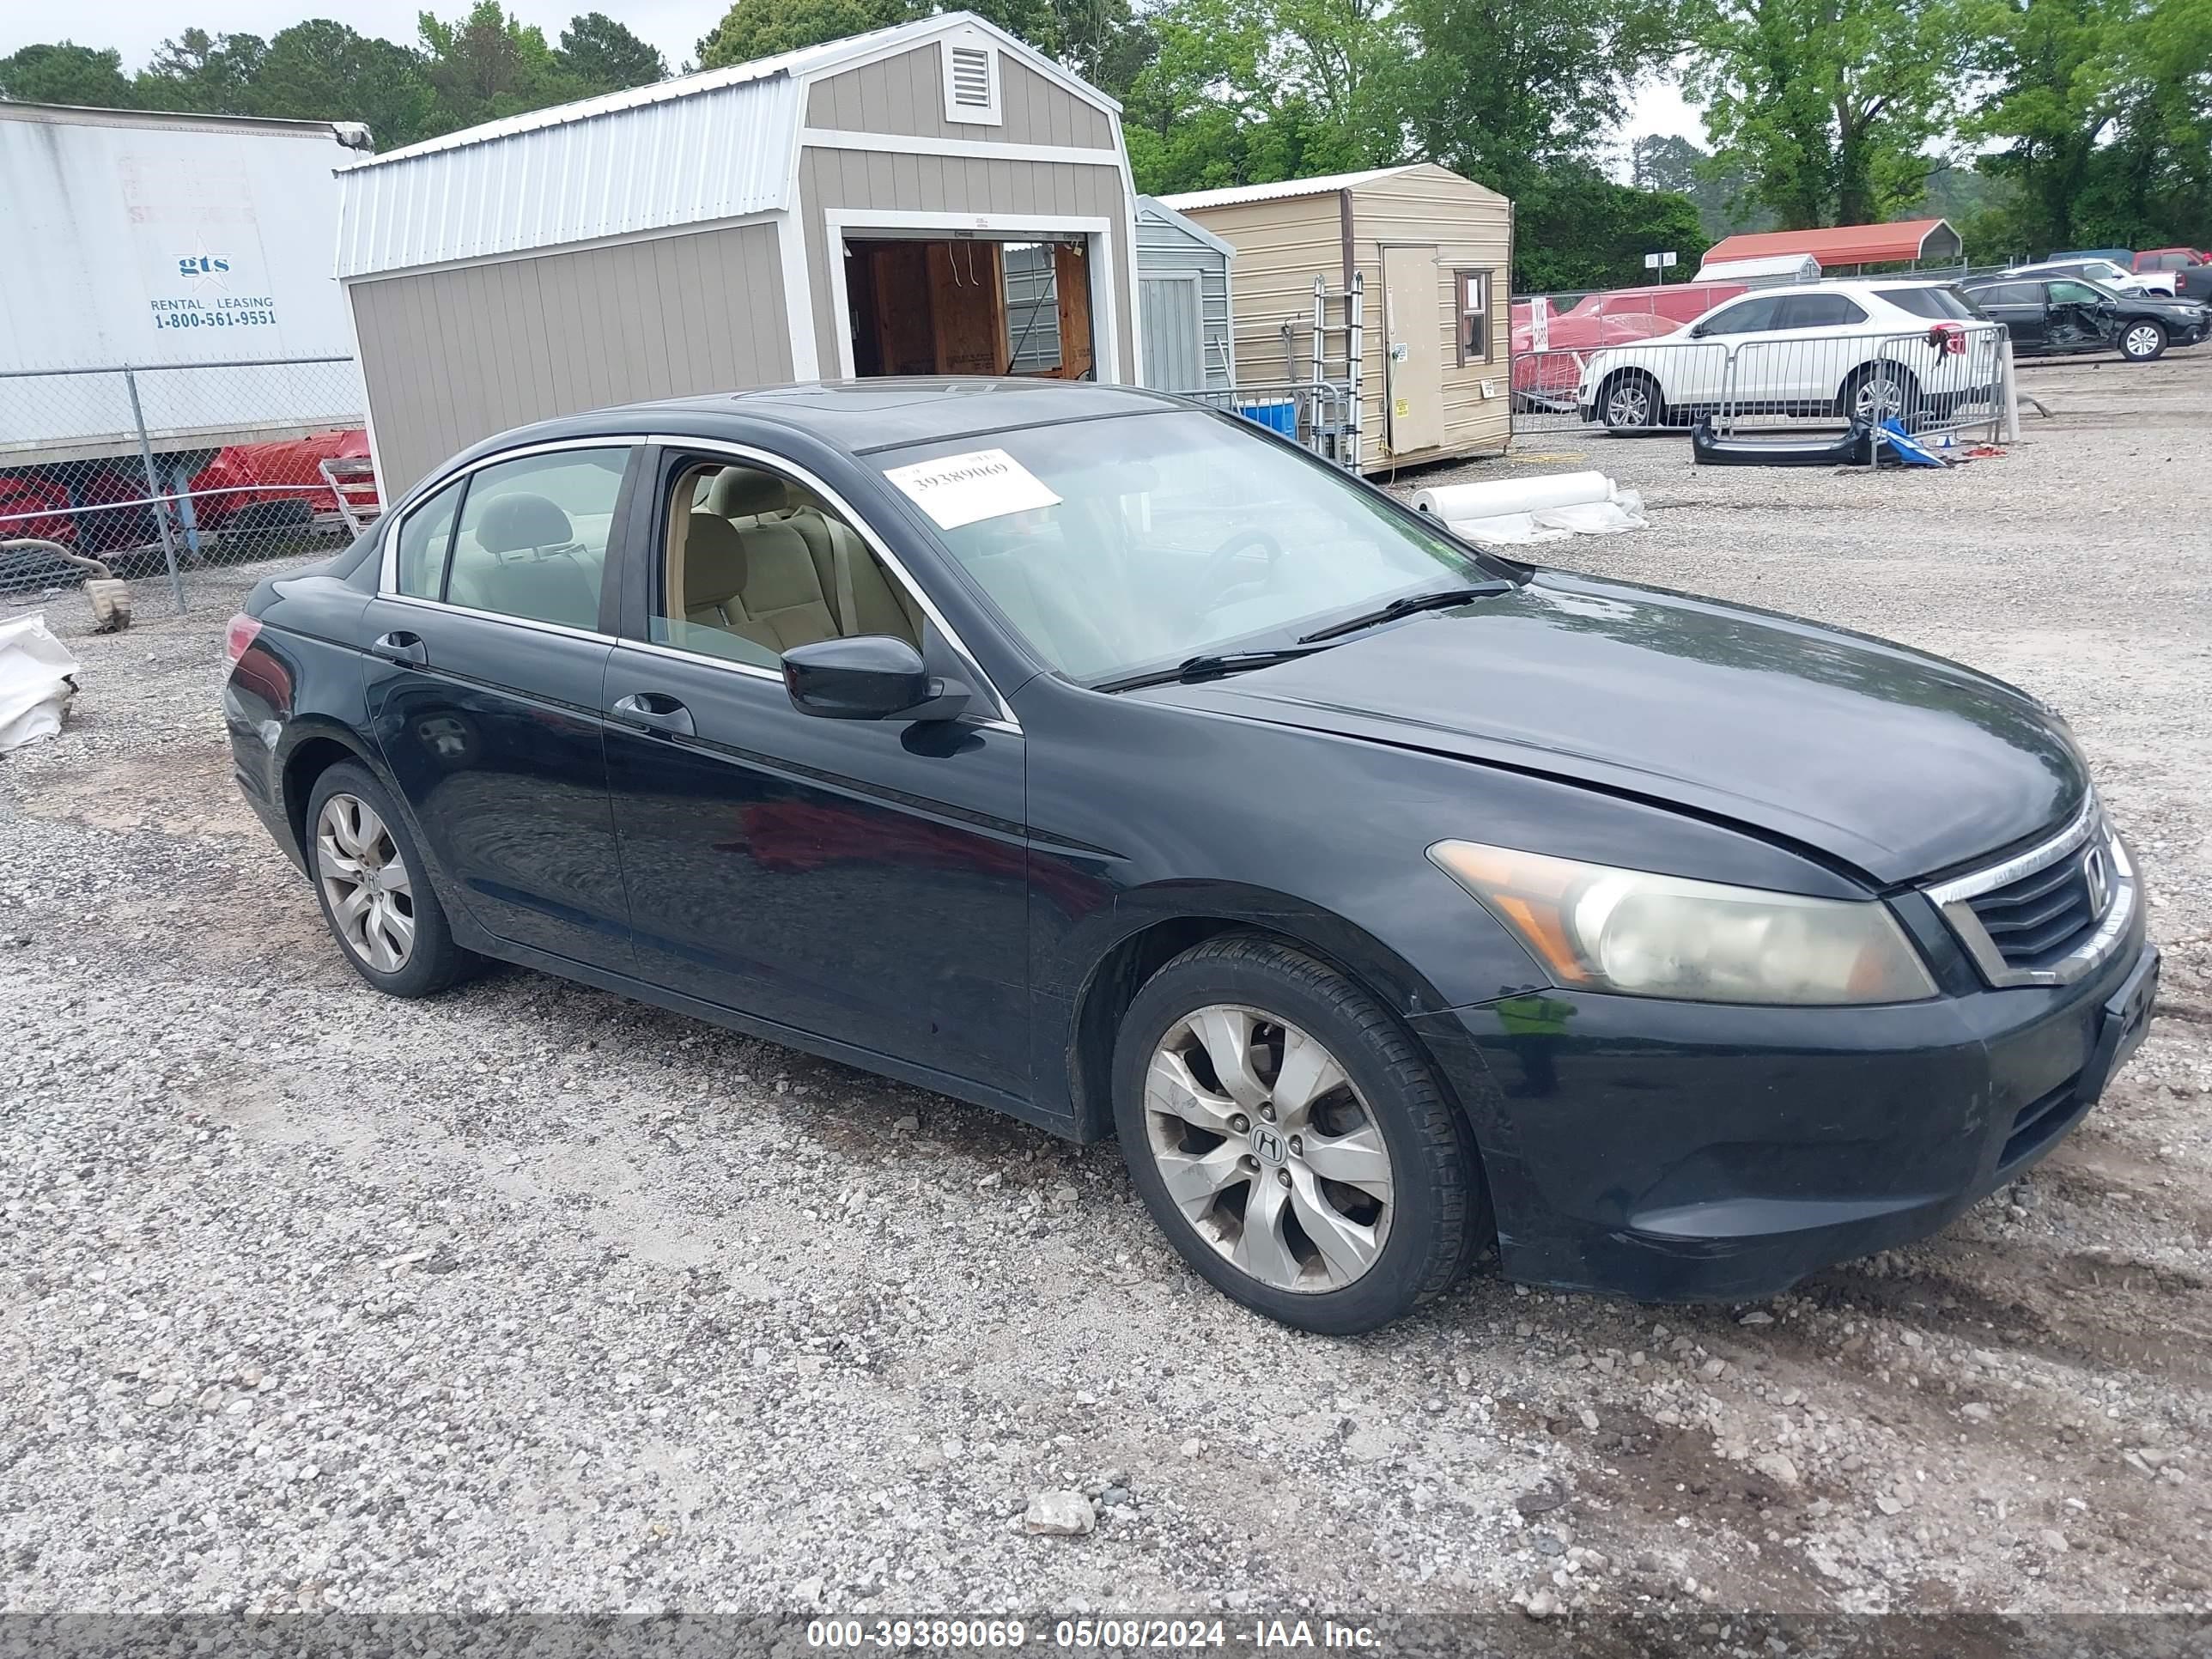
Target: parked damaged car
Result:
[[2064, 315], [1079, 752]]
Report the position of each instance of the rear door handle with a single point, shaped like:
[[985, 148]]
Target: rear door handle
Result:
[[402, 646], [656, 711]]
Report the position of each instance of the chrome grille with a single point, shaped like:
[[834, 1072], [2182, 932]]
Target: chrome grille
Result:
[[2049, 915]]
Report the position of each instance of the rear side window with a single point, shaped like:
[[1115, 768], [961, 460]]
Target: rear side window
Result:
[[1816, 311], [425, 536], [532, 542], [1747, 317], [2010, 294], [1937, 305]]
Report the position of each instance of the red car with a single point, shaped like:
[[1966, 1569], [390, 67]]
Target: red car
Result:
[[270, 485], [1544, 375]]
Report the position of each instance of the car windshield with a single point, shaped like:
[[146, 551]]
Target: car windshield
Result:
[[1119, 546]]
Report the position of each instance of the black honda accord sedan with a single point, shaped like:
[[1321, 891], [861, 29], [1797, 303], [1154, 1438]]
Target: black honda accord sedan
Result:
[[1112, 762]]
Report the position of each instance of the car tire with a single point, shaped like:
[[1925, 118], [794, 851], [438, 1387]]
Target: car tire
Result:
[[1400, 1231], [1856, 400], [396, 937], [2142, 341], [1632, 402]]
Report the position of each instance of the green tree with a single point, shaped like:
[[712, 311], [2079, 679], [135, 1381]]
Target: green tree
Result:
[[1828, 106], [1576, 228], [486, 65], [604, 56], [203, 72], [1503, 89], [761, 28], [1721, 192], [2101, 111], [321, 71], [63, 73]]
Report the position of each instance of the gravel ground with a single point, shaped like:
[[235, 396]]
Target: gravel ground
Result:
[[532, 1297]]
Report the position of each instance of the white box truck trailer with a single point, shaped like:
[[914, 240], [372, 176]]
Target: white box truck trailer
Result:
[[198, 252]]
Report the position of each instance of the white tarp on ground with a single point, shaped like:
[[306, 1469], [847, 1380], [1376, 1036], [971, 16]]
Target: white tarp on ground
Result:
[[1548, 507], [36, 682]]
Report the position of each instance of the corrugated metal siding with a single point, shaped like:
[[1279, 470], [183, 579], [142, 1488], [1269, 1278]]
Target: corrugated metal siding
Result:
[[1281, 246], [714, 155], [1470, 227], [948, 184], [1165, 248], [906, 94], [453, 356]]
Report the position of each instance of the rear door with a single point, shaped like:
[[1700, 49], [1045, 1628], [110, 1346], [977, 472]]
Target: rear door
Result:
[[2019, 306], [1815, 342], [1413, 336], [865, 881], [489, 639]]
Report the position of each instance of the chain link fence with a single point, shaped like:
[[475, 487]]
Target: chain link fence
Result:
[[1951, 377], [153, 472]]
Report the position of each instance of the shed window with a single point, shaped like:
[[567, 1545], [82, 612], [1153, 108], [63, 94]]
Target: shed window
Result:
[[971, 80], [1473, 287]]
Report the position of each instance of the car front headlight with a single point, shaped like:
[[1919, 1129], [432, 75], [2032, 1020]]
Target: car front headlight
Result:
[[1599, 928]]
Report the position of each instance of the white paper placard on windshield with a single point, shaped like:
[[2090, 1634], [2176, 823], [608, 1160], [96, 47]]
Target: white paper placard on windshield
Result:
[[984, 483]]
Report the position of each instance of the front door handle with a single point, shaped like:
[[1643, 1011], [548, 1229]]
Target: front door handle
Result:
[[656, 711], [402, 646]]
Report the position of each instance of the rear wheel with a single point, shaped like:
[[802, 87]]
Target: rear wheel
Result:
[[1291, 1141], [2143, 342], [1633, 402], [375, 893], [1879, 392]]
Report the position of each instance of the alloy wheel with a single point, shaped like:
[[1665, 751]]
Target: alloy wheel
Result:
[[1267, 1148], [2143, 340], [366, 882], [1878, 397], [1629, 404]]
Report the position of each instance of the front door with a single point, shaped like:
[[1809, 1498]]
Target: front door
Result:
[[1412, 349], [864, 881], [1174, 359], [484, 694]]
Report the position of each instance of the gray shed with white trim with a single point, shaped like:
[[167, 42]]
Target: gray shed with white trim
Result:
[[1184, 298], [881, 204]]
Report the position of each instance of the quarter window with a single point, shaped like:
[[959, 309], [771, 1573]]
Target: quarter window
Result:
[[755, 563], [426, 537], [1473, 290], [532, 542]]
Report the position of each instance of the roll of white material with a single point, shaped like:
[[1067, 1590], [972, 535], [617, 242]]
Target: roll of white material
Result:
[[1494, 500]]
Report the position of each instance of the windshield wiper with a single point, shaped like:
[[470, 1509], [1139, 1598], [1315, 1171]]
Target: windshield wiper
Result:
[[1210, 666], [1442, 600]]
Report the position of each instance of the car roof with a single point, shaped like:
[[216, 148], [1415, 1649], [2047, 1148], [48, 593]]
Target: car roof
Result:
[[860, 416], [1847, 285]]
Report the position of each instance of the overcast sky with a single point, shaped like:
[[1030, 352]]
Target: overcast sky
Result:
[[136, 28]]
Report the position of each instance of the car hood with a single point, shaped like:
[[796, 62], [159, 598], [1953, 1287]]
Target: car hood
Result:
[[1895, 762]]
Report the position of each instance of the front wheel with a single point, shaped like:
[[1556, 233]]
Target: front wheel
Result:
[[1633, 402], [1291, 1140], [2143, 342]]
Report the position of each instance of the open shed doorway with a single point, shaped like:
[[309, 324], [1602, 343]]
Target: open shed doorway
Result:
[[971, 305]]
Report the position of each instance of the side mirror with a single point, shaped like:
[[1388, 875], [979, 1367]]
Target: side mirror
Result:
[[872, 677], [1697, 330]]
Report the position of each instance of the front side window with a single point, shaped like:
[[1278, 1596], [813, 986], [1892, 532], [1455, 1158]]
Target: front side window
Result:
[[1474, 289], [754, 562], [2074, 293], [532, 542], [1747, 317], [1118, 546], [426, 535]]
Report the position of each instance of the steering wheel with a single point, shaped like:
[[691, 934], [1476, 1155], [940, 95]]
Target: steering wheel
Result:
[[1217, 582]]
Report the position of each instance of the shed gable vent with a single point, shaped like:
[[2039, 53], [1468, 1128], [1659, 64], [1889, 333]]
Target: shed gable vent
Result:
[[971, 81]]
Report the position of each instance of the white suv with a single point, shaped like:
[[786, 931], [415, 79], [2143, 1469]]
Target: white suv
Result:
[[1870, 349]]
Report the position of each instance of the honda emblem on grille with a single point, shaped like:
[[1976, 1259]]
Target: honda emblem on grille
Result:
[[2097, 874]]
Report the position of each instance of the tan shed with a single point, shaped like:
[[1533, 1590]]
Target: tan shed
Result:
[[936, 198], [1434, 251]]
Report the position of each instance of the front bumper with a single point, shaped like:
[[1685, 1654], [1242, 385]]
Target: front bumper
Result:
[[1680, 1152]]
